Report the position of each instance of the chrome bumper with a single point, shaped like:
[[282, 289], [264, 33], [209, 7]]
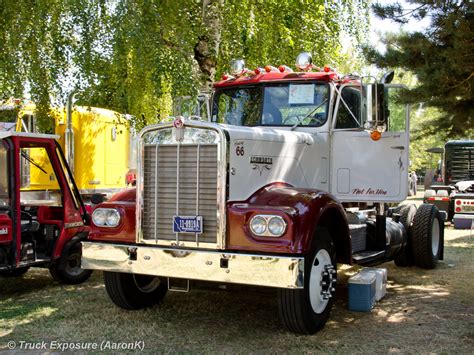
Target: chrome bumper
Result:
[[260, 270]]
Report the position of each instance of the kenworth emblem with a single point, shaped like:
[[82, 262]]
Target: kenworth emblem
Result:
[[178, 125], [261, 163]]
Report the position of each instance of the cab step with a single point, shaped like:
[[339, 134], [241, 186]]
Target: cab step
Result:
[[368, 256], [178, 285]]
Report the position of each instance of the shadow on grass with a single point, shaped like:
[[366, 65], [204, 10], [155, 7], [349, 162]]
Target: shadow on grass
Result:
[[422, 312]]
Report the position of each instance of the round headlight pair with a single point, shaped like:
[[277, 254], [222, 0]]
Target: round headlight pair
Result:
[[106, 217], [267, 225]]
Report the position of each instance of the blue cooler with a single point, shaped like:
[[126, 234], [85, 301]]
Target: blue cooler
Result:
[[361, 288], [463, 221]]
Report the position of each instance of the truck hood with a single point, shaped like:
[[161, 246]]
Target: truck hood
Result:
[[267, 134]]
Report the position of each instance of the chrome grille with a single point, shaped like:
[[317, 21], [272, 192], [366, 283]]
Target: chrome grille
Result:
[[179, 180]]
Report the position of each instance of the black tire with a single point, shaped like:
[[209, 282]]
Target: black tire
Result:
[[427, 236], [132, 291], [295, 306], [68, 269], [407, 215], [15, 273]]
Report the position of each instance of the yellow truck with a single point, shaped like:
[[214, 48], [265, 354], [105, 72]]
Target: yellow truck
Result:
[[97, 144]]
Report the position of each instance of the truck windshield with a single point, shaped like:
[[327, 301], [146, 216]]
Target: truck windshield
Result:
[[283, 104]]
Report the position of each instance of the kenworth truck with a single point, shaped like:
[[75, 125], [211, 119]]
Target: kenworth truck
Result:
[[292, 175]]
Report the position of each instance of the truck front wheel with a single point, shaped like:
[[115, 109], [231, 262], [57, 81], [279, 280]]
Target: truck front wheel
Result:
[[306, 310], [427, 236], [132, 291]]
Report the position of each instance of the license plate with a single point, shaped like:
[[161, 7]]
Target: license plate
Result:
[[468, 208], [187, 224]]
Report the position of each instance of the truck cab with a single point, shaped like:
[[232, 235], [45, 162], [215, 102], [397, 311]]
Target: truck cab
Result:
[[290, 176], [454, 195], [41, 224]]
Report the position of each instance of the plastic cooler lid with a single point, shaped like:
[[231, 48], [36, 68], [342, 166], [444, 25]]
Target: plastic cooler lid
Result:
[[373, 270], [363, 278]]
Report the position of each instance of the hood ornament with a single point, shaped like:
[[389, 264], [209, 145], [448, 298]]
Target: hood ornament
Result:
[[178, 128]]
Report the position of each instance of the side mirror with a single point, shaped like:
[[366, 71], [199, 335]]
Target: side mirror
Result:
[[97, 198], [376, 105]]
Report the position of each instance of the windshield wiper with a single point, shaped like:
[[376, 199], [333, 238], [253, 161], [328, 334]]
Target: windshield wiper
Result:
[[300, 122], [24, 155]]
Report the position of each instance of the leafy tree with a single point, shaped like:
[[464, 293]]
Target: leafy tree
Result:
[[134, 56], [442, 57]]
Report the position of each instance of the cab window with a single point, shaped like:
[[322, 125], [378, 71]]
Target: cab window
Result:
[[39, 184], [349, 114]]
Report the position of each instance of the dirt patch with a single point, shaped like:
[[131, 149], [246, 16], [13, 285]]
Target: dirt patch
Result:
[[424, 311]]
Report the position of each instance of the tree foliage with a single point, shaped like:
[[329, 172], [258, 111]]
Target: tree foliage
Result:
[[442, 57], [134, 56]]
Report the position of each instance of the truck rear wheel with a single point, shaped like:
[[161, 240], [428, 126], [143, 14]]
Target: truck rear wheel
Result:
[[133, 291], [68, 269], [407, 214], [428, 236], [306, 310]]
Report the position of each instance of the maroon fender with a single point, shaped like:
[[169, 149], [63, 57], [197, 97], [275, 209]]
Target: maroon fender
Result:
[[125, 202], [303, 210]]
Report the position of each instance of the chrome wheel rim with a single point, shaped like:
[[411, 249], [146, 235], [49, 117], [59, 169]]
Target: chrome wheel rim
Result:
[[145, 283], [321, 282], [435, 237]]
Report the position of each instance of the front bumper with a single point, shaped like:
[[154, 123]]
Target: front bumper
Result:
[[218, 266]]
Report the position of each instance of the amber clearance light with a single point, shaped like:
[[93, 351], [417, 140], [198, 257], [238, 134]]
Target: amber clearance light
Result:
[[375, 135]]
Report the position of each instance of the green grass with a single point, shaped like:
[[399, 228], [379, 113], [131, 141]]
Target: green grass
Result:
[[424, 311]]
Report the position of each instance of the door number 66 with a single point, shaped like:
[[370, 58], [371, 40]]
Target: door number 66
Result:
[[239, 150]]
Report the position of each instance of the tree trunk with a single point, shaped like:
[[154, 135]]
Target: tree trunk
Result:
[[207, 48]]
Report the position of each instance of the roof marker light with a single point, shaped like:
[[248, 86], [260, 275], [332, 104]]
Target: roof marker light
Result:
[[285, 69], [259, 70], [327, 68], [227, 77], [270, 68]]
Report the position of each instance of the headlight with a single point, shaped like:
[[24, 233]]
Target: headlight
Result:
[[276, 226], [258, 225], [267, 225], [99, 217], [106, 217]]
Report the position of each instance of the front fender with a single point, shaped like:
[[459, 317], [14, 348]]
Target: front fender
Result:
[[125, 203], [303, 209]]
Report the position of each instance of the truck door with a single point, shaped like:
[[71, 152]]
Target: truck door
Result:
[[363, 169]]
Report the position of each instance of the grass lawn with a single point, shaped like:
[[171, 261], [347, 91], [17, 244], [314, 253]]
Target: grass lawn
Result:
[[423, 312]]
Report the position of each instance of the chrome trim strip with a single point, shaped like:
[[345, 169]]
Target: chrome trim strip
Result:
[[156, 195], [248, 269], [178, 165], [222, 159], [197, 187]]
